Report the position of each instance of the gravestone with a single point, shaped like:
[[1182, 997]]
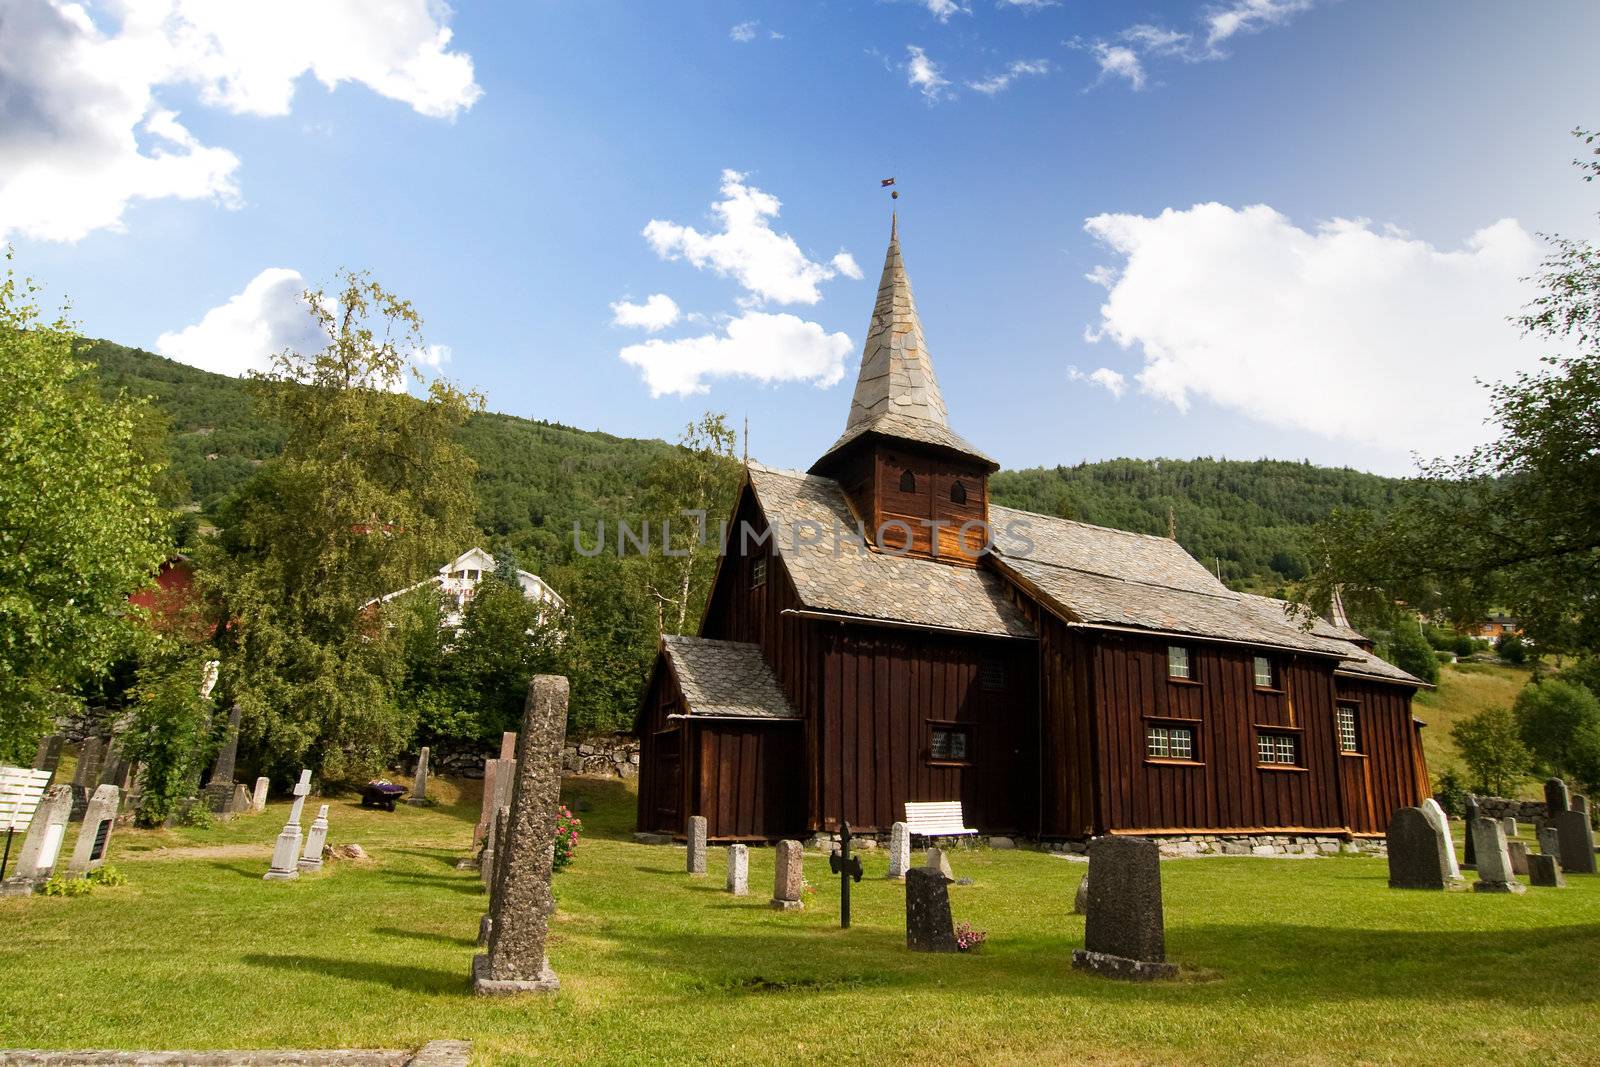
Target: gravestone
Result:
[[1470, 858], [929, 927], [1544, 871], [258, 799], [1518, 851], [419, 784], [1124, 935], [935, 859], [1549, 841], [1419, 853], [286, 853], [486, 806], [738, 870], [219, 790], [85, 776], [1556, 797], [116, 769], [696, 834], [1494, 861], [490, 866], [1575, 841], [520, 902], [1578, 802], [899, 851], [788, 879], [94, 836], [316, 837], [48, 755], [1510, 826], [42, 847], [1080, 899], [1441, 822]]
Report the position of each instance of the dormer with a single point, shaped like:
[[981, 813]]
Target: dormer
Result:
[[913, 482]]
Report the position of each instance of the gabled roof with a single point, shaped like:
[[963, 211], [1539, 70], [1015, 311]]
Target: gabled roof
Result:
[[862, 582], [897, 394], [725, 679]]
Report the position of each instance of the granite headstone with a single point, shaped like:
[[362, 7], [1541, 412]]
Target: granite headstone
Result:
[[1494, 860], [1124, 932], [929, 926], [1419, 853], [788, 877]]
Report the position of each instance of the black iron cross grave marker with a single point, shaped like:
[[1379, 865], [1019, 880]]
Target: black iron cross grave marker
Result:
[[846, 867]]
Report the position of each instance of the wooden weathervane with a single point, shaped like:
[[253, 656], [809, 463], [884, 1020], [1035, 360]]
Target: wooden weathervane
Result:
[[846, 867]]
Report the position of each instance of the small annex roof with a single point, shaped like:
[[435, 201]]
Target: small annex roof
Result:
[[805, 510], [897, 394], [725, 679]]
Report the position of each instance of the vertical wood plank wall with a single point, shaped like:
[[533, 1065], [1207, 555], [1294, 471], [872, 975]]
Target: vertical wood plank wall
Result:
[[1390, 773]]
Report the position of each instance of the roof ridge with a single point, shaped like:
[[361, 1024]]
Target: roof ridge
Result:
[[1225, 594], [1084, 525]]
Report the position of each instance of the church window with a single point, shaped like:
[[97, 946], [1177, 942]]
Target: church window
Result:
[[758, 573], [1169, 742], [908, 482], [1279, 750], [1348, 741], [950, 744], [1266, 676], [958, 493], [992, 674], [1177, 662]]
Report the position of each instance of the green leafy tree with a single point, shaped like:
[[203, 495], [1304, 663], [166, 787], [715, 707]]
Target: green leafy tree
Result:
[[1559, 722], [1451, 792], [1492, 748], [370, 490], [689, 495], [610, 641], [505, 639], [80, 525], [1512, 649], [1515, 521], [170, 730]]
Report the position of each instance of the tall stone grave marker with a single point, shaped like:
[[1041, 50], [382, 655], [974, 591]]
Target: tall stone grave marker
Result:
[[788, 879], [286, 853], [1419, 854], [94, 836], [1575, 840], [486, 806], [258, 798], [696, 859], [1543, 870], [316, 837], [1578, 802], [116, 769], [515, 962], [1441, 822], [1469, 850], [1124, 935], [1518, 851], [937, 859], [1556, 797], [86, 775], [1509, 825], [48, 756], [1494, 861], [738, 870], [219, 790], [1549, 841], [42, 847], [929, 927], [490, 867], [899, 851], [419, 784]]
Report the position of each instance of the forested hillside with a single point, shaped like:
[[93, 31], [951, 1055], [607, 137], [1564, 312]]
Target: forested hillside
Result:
[[536, 478]]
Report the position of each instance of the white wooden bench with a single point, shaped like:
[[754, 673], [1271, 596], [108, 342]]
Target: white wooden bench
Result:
[[936, 819]]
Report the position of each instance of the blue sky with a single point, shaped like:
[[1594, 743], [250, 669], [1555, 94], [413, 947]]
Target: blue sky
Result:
[[1077, 302]]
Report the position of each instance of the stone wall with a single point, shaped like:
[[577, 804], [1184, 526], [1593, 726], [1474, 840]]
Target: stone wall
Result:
[[616, 755], [1524, 811]]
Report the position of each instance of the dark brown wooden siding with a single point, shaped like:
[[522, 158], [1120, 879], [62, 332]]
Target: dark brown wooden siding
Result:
[[1389, 773], [749, 779], [885, 690], [662, 787], [1067, 745]]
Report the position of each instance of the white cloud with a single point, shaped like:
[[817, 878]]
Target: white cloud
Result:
[[1156, 40], [943, 9], [1027, 5], [83, 131], [267, 317], [845, 264], [744, 32], [1249, 16], [1108, 379], [759, 345], [767, 263], [1345, 331], [1118, 61], [656, 313], [924, 75], [244, 334], [998, 83]]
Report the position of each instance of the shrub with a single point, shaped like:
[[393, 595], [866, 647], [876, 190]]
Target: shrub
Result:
[[195, 815], [1492, 748], [170, 733], [108, 876], [1465, 646], [968, 939], [1512, 649], [1560, 724], [1445, 657], [568, 826], [1451, 792], [56, 886]]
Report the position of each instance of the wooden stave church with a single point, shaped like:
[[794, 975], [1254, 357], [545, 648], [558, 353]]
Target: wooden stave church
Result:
[[1030, 681]]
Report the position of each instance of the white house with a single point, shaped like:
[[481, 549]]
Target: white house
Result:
[[459, 580]]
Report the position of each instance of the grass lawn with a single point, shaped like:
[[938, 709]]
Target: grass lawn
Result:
[[1464, 690], [1286, 961]]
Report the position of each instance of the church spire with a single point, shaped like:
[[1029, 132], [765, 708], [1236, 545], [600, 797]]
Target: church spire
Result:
[[897, 394]]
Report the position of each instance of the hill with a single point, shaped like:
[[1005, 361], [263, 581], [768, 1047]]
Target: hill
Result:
[[536, 478]]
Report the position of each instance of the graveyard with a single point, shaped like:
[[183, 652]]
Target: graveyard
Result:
[[1279, 960]]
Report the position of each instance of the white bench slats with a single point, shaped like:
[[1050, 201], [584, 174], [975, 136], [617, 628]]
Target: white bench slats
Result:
[[938, 818], [20, 791]]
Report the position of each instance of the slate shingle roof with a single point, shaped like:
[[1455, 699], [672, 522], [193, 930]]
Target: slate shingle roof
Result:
[[874, 584], [726, 679]]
